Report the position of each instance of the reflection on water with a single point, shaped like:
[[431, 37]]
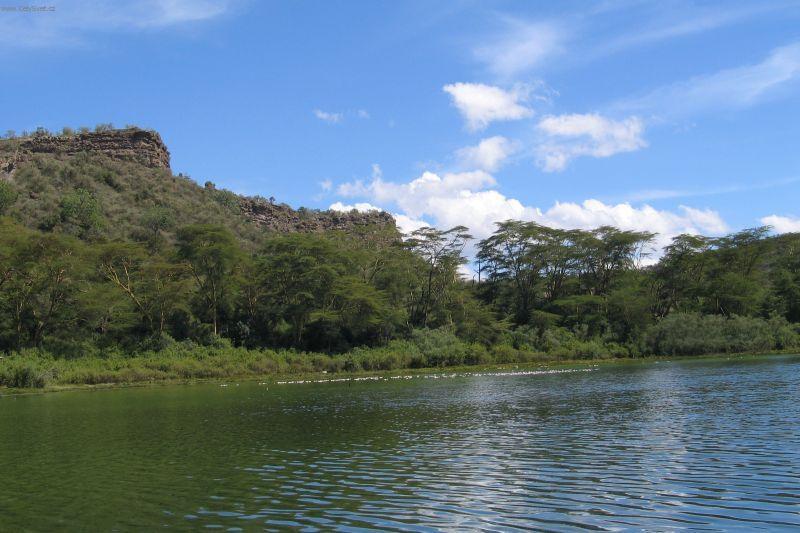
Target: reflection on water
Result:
[[666, 445]]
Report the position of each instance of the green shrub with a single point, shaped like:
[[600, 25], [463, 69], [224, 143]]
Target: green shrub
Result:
[[694, 334], [25, 370], [8, 195]]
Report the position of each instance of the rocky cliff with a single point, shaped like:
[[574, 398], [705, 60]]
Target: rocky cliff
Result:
[[131, 144], [283, 219]]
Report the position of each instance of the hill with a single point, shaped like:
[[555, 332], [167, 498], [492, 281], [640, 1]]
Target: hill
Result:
[[125, 176]]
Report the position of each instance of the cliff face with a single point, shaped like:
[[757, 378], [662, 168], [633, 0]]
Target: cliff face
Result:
[[131, 144]]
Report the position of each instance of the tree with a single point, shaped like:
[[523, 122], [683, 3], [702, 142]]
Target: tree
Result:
[[211, 255], [510, 254], [156, 220], [442, 252], [608, 251], [680, 275], [297, 273], [80, 213], [153, 286], [41, 274]]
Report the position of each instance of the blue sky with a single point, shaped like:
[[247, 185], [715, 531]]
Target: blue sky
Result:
[[670, 116]]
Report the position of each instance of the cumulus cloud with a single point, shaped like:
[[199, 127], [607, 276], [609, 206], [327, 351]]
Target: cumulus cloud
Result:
[[489, 154], [481, 104], [415, 197], [362, 207], [521, 47], [569, 136], [325, 116], [782, 224], [470, 199]]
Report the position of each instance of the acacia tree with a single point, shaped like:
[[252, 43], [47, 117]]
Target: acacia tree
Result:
[[153, 285], [40, 279], [155, 221], [509, 254], [679, 276], [608, 251], [211, 255], [297, 273], [442, 252]]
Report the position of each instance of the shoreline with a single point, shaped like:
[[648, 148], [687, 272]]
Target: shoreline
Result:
[[287, 378]]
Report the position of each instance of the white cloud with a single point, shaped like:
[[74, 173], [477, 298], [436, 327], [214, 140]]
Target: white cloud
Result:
[[593, 213], [522, 47], [407, 224], [576, 135], [664, 22], [481, 104], [732, 88], [414, 198], [362, 113], [469, 199], [71, 23], [325, 116], [489, 154], [326, 185], [362, 207], [782, 224]]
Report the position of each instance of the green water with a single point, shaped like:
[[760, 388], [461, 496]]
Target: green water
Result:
[[663, 445]]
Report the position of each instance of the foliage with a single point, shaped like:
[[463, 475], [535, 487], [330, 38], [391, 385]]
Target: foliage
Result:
[[694, 334], [80, 213]]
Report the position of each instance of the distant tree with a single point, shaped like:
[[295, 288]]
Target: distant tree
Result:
[[11, 134], [80, 213], [67, 131], [211, 254], [156, 220], [102, 127]]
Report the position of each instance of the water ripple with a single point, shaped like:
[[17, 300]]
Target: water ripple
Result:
[[668, 446]]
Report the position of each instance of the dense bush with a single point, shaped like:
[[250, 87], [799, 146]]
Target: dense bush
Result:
[[694, 334]]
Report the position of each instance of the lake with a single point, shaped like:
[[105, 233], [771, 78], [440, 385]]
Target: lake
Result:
[[711, 444]]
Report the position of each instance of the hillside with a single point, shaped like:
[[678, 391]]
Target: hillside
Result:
[[126, 175]]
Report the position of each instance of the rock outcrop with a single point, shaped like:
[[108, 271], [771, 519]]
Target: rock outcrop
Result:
[[131, 144], [281, 218]]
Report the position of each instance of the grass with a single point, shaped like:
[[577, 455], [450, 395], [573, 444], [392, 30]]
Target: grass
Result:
[[32, 370]]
